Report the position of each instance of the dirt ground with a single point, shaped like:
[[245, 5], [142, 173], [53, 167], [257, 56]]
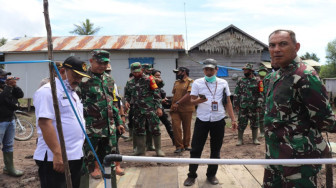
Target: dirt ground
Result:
[[23, 151]]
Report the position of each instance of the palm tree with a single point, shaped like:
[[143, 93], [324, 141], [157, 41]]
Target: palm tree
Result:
[[3, 41], [86, 28]]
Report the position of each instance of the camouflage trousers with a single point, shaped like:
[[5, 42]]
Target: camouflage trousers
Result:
[[260, 117], [102, 146], [146, 122], [304, 176], [246, 114]]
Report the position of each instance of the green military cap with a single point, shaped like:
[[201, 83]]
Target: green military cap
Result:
[[262, 67], [101, 55], [248, 66], [136, 67], [77, 65], [147, 66]]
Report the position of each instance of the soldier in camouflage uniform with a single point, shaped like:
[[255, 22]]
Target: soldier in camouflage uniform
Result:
[[142, 95], [246, 97], [102, 117], [297, 110], [147, 70], [262, 72]]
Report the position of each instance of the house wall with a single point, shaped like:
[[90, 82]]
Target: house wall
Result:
[[31, 74], [237, 61]]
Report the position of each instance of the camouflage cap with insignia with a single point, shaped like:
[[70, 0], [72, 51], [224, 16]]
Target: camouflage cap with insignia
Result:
[[262, 67], [248, 66], [147, 66], [101, 55], [77, 65], [136, 67], [4, 73]]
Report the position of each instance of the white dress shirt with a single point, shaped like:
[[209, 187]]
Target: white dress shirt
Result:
[[73, 134], [204, 110]]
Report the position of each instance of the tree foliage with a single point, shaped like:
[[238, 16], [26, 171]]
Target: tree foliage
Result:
[[329, 70], [310, 56], [85, 28], [331, 52], [3, 41]]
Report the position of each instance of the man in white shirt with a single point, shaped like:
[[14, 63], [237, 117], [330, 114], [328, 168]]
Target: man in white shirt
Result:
[[208, 93], [48, 155]]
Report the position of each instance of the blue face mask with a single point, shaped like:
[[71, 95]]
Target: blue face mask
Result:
[[210, 79], [3, 79]]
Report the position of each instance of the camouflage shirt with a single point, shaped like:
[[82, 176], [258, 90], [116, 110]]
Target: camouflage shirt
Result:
[[297, 110], [99, 111], [247, 93], [140, 96]]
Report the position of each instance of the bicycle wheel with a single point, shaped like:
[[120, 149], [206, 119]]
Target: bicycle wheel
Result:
[[24, 131]]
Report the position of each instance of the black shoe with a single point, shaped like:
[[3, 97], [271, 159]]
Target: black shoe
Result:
[[187, 149], [213, 180], [179, 150], [189, 182]]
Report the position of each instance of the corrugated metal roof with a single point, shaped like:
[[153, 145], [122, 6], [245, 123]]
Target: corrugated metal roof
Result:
[[120, 42]]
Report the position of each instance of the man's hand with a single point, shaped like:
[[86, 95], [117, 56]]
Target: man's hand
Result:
[[201, 100], [121, 129], [234, 125], [159, 112], [123, 119], [58, 162], [11, 82], [127, 106], [175, 106]]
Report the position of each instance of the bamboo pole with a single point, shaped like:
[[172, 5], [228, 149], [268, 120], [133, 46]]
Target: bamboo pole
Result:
[[54, 96], [329, 173]]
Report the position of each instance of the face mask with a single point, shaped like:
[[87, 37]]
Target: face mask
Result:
[[247, 74], [210, 79], [3, 79], [262, 73], [67, 83], [180, 76]]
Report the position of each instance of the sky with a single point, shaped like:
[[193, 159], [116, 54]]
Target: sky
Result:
[[313, 21]]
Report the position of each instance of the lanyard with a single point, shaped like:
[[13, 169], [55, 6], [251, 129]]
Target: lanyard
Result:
[[213, 95]]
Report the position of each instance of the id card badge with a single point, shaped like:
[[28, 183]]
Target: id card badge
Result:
[[214, 106]]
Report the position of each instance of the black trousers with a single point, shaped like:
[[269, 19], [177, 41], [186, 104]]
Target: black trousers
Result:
[[167, 124], [49, 178], [201, 131]]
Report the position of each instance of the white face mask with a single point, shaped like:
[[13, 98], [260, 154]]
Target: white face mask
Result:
[[67, 83]]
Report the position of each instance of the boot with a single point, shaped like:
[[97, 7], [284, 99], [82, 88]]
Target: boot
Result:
[[118, 169], [157, 143], [96, 174], [9, 165], [134, 142], [130, 137], [262, 131], [255, 137], [140, 145], [240, 138], [84, 181], [149, 142]]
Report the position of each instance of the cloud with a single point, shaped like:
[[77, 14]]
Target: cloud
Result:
[[312, 20], [19, 18]]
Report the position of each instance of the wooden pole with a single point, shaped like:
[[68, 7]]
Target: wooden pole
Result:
[[329, 173], [54, 96]]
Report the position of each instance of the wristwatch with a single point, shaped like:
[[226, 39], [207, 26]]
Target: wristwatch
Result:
[[177, 102]]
